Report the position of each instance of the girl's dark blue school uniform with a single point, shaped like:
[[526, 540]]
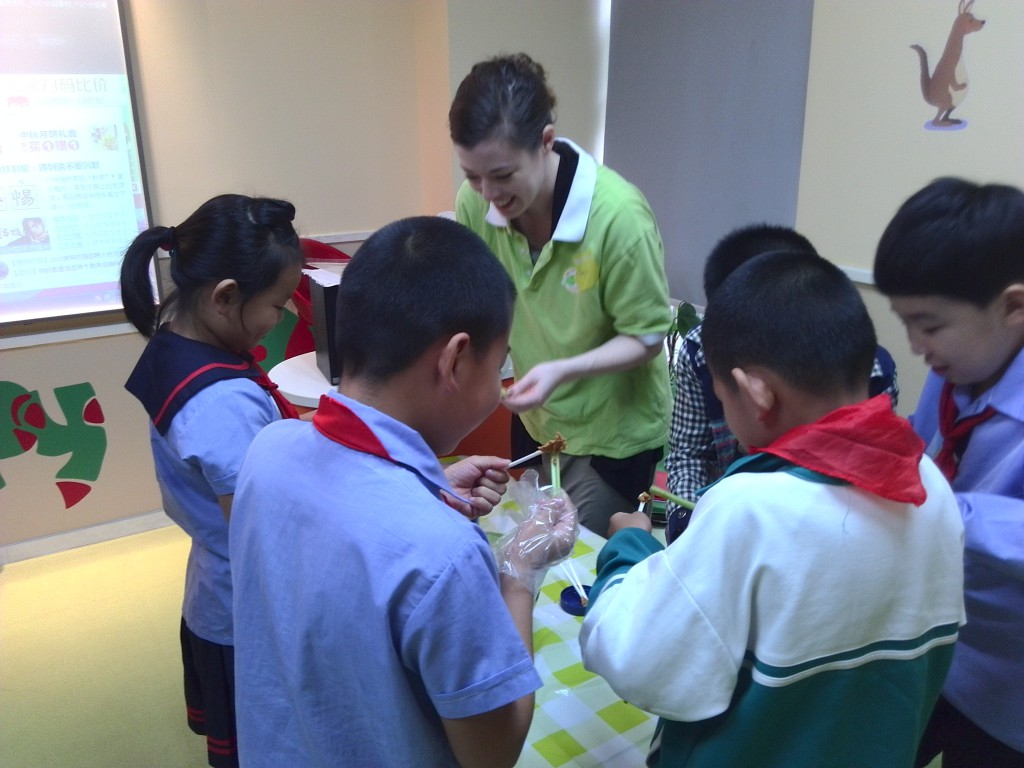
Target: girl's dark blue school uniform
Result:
[[205, 406]]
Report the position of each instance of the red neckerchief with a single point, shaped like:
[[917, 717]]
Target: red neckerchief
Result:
[[286, 408], [955, 434], [865, 444], [336, 421], [257, 356]]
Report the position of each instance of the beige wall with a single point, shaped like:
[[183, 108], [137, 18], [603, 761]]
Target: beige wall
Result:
[[432, 98], [316, 101], [865, 145], [339, 106]]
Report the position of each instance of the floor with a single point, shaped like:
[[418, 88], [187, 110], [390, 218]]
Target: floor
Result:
[[90, 672], [90, 669]]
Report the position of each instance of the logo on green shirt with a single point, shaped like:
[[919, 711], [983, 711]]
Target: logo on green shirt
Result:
[[582, 275]]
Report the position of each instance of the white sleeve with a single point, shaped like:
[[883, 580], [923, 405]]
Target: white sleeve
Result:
[[670, 636]]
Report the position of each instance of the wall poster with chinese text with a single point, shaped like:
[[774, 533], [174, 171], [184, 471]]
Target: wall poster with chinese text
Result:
[[72, 194]]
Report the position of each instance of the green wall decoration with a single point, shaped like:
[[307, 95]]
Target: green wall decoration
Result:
[[25, 426]]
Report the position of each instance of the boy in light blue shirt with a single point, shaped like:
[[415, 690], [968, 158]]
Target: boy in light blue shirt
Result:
[[373, 627], [952, 263]]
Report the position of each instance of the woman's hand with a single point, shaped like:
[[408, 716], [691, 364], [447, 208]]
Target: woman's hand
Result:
[[533, 389], [620, 353]]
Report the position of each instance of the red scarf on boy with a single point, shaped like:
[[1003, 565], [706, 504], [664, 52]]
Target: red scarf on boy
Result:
[[955, 432], [865, 444]]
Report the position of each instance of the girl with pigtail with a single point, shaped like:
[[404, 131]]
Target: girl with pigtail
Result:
[[235, 262]]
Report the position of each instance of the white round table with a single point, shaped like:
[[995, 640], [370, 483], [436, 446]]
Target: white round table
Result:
[[300, 380]]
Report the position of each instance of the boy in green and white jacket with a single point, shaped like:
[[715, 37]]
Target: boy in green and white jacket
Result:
[[808, 615]]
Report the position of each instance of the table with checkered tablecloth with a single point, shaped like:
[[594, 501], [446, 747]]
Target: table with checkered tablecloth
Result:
[[578, 719]]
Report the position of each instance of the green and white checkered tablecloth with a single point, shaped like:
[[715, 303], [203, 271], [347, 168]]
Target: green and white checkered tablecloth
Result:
[[578, 721]]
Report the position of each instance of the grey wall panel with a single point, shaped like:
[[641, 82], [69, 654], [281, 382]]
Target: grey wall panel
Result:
[[705, 114]]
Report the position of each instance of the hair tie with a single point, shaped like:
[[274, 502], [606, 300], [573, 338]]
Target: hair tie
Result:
[[168, 244]]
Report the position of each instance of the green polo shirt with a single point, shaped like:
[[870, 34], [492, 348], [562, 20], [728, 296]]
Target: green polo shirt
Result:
[[601, 275]]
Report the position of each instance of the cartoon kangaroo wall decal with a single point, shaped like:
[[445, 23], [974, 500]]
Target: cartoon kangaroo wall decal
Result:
[[946, 87]]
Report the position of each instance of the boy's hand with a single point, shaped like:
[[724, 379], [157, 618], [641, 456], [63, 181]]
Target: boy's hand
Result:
[[622, 520], [542, 540], [481, 479]]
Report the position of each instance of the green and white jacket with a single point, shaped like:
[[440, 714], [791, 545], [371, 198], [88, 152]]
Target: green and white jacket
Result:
[[801, 621]]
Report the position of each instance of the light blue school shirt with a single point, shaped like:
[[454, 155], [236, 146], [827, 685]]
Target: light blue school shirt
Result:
[[986, 681], [196, 462], [366, 609]]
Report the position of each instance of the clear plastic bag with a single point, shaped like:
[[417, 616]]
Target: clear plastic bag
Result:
[[545, 532]]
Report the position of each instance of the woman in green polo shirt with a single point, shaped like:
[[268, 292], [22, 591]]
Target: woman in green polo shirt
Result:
[[592, 306]]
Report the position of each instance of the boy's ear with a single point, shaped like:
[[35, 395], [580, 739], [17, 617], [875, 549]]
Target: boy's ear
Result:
[[450, 358], [1013, 305], [225, 294], [756, 389]]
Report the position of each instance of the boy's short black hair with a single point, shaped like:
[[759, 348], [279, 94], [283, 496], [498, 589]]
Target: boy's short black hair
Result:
[[743, 244], [796, 314], [411, 283], [956, 239]]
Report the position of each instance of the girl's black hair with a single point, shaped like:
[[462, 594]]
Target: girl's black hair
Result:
[[505, 97], [230, 237]]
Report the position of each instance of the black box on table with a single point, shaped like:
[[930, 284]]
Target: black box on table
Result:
[[323, 298]]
